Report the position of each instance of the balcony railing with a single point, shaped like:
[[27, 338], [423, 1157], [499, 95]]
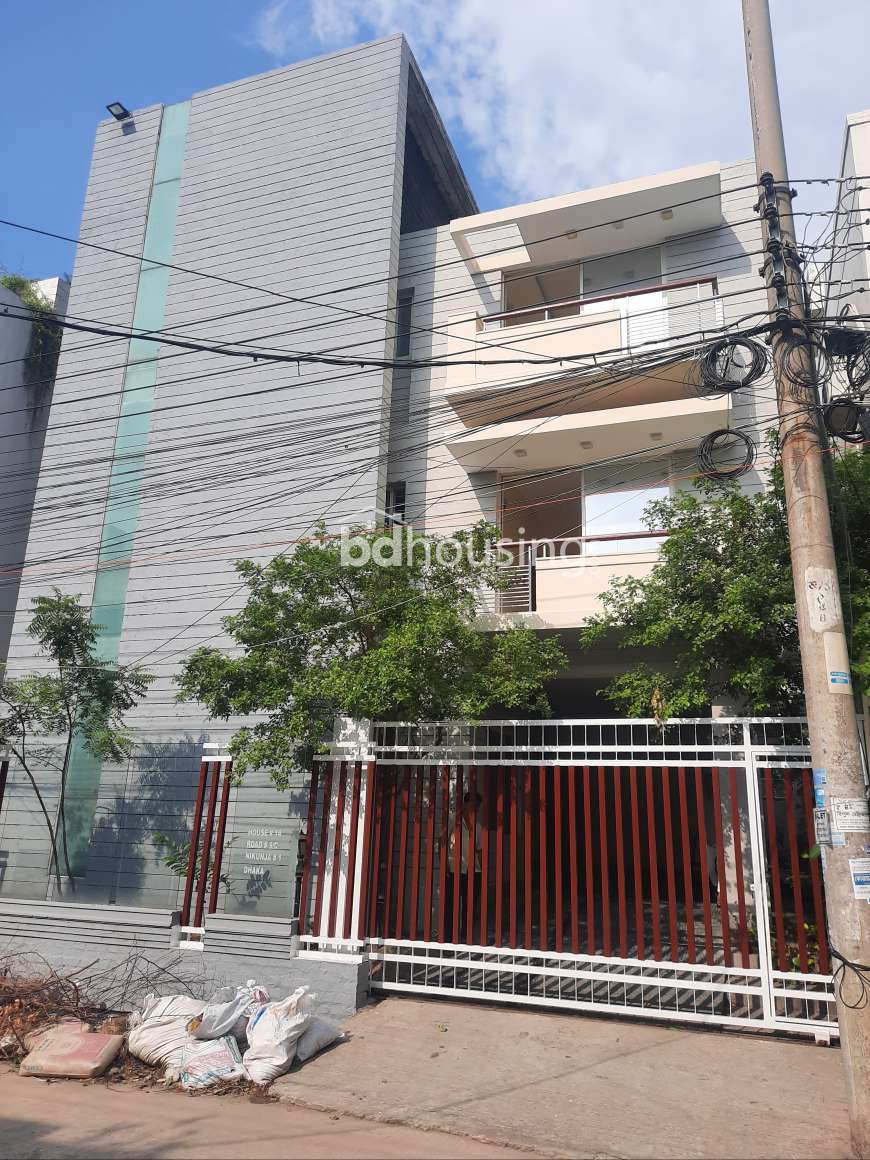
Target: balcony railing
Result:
[[649, 314], [518, 591]]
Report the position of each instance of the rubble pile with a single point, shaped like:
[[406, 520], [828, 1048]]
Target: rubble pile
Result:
[[76, 1025]]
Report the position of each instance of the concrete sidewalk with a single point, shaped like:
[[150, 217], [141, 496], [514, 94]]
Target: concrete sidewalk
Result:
[[567, 1085]]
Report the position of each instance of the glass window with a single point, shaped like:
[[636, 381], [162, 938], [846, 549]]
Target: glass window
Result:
[[618, 273], [525, 289], [395, 504], [403, 323], [614, 500]]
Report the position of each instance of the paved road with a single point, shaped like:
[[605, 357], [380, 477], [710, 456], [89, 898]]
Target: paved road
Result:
[[40, 1120]]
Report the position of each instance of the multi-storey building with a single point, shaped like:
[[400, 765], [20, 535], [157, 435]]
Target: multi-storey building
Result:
[[321, 208]]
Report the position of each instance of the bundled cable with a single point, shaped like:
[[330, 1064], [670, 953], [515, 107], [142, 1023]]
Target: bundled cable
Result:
[[858, 366], [804, 361], [715, 454], [727, 365], [861, 974]]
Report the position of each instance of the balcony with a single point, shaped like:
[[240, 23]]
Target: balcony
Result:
[[558, 584], [585, 335]]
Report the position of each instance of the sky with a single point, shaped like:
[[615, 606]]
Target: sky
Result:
[[539, 98]]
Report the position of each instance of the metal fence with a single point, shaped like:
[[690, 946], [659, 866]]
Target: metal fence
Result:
[[668, 871]]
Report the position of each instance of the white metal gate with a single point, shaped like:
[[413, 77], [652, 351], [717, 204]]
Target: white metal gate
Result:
[[619, 866]]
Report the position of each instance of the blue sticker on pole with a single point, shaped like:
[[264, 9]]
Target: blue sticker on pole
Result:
[[819, 795], [820, 776]]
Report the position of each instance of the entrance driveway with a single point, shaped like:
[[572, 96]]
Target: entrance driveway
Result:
[[566, 1085]]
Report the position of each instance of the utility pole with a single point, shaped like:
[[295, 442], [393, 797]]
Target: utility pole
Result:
[[833, 727]]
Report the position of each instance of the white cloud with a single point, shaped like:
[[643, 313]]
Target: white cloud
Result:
[[564, 94]]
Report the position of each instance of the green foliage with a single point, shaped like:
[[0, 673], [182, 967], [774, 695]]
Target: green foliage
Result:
[[719, 605], [176, 856], [80, 699], [852, 478], [320, 637], [45, 335]]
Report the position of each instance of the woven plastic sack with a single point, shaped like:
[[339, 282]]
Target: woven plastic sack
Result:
[[207, 1062], [319, 1033], [272, 1033], [228, 1011], [158, 1034]]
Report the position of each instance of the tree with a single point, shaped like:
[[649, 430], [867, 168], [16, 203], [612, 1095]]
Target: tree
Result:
[[44, 716], [323, 635], [719, 604]]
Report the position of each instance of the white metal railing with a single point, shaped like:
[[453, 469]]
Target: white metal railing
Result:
[[517, 592], [648, 315], [542, 742]]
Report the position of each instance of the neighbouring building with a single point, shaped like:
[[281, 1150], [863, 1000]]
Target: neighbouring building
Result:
[[321, 208], [27, 356]]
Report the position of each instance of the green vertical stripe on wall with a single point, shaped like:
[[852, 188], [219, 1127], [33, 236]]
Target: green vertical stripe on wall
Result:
[[128, 457]]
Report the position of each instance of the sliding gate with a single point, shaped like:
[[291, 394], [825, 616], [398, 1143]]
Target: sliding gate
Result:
[[604, 866]]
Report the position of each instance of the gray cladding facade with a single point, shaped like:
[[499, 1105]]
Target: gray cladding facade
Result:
[[278, 202]]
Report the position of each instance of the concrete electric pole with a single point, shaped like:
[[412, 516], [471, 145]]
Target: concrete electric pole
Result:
[[837, 773]]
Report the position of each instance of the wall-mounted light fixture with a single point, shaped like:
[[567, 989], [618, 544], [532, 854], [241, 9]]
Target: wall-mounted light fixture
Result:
[[119, 112]]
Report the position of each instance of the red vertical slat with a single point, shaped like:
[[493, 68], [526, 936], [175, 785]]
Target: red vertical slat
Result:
[[815, 876], [742, 927], [309, 851], [669, 864], [688, 894], [336, 848], [639, 921], [797, 891], [430, 858], [196, 826], [513, 776], [219, 840], [720, 866], [379, 778], [470, 877], [202, 878], [392, 789], [605, 862], [443, 846], [419, 774], [351, 850], [401, 869], [367, 869], [483, 932], [590, 880], [527, 857], [543, 911], [653, 864], [321, 847], [573, 868], [500, 824], [773, 861], [620, 862], [705, 870], [557, 853], [457, 853]]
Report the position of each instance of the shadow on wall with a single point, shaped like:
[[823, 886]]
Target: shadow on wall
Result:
[[154, 793]]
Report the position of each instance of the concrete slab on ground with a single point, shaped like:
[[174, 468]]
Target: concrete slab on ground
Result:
[[68, 1120], [574, 1086]]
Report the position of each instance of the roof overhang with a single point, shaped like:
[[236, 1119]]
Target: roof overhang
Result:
[[611, 218], [577, 440]]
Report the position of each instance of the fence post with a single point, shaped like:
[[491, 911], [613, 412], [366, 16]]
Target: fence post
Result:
[[759, 876]]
